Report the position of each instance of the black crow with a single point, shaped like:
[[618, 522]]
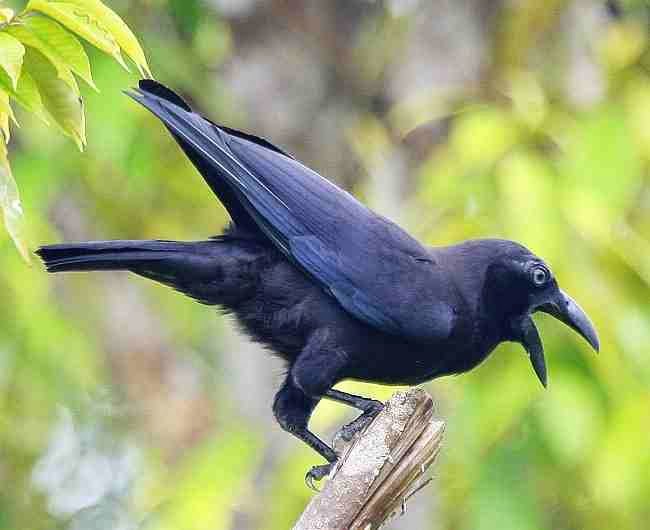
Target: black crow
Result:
[[336, 290]]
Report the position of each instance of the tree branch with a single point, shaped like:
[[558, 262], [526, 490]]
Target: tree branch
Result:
[[377, 472]]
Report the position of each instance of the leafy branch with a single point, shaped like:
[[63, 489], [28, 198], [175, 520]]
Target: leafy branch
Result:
[[41, 57]]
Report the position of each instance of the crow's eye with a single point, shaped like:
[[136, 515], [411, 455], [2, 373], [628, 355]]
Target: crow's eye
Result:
[[540, 276]]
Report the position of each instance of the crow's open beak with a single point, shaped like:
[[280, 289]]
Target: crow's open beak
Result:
[[529, 338], [565, 309]]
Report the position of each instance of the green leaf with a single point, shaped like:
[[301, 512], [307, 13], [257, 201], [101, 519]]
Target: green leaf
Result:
[[118, 29], [65, 107], [26, 94], [24, 34], [11, 57], [4, 126], [10, 204], [82, 23], [66, 46], [6, 114]]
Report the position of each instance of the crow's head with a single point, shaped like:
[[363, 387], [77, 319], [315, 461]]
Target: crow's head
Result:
[[517, 284]]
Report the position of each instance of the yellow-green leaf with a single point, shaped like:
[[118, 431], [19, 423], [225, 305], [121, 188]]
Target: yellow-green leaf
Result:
[[82, 23], [10, 204], [118, 28], [11, 57], [4, 126], [26, 94], [65, 107], [6, 15], [63, 43], [6, 114], [23, 32]]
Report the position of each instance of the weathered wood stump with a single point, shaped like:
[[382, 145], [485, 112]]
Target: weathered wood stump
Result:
[[380, 469]]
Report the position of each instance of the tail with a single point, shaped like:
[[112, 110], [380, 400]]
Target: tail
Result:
[[114, 255], [185, 266], [208, 271]]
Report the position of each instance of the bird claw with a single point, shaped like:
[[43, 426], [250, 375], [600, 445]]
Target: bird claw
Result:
[[316, 474], [349, 431]]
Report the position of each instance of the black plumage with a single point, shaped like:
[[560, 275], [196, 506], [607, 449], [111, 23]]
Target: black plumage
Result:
[[333, 288]]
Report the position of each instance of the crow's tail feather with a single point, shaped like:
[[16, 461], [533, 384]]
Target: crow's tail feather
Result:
[[114, 255], [212, 272]]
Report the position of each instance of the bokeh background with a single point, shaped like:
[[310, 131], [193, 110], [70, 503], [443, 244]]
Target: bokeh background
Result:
[[125, 406]]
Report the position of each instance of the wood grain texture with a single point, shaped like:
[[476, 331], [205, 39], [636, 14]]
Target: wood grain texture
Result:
[[380, 468]]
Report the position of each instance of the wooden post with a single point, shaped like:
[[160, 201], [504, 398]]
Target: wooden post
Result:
[[379, 470]]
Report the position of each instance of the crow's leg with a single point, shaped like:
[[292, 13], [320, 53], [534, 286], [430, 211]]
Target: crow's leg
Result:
[[316, 370], [292, 409], [358, 402], [369, 407]]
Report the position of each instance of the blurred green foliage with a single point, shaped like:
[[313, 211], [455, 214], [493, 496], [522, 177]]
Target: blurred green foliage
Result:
[[124, 405]]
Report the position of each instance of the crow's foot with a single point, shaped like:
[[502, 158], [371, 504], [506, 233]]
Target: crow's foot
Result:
[[349, 431], [316, 474]]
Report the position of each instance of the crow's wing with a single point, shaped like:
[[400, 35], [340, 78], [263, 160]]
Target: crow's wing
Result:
[[374, 269]]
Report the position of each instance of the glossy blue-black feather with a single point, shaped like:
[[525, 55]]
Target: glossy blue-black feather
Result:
[[374, 269]]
